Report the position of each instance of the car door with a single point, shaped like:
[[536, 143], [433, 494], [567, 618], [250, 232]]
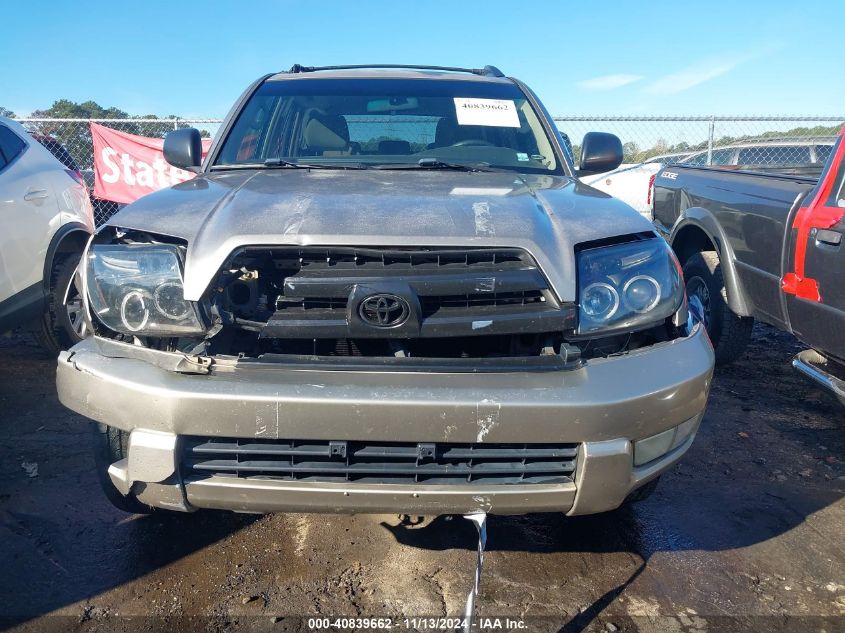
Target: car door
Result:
[[814, 279], [27, 208]]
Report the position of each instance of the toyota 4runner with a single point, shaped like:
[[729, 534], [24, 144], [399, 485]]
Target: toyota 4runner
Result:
[[385, 290]]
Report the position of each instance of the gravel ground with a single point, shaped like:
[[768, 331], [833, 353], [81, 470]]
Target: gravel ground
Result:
[[745, 534]]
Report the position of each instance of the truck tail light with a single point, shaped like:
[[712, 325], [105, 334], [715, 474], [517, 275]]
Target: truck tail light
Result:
[[650, 193]]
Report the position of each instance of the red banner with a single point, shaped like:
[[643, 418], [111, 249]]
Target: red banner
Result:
[[127, 166]]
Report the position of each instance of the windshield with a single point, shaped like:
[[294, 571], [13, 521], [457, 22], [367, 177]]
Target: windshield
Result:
[[389, 123]]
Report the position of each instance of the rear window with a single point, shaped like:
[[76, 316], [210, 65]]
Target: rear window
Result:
[[775, 155]]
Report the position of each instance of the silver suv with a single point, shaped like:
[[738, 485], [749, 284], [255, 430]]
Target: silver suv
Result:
[[385, 290]]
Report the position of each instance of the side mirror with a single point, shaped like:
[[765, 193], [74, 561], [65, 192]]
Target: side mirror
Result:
[[600, 152], [183, 149]]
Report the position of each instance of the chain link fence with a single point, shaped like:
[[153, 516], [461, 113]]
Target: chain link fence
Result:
[[783, 144], [70, 141]]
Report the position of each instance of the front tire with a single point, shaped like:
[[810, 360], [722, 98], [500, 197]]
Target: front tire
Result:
[[110, 446], [705, 283], [62, 326]]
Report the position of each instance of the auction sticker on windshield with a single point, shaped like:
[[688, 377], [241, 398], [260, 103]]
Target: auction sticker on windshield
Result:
[[490, 112]]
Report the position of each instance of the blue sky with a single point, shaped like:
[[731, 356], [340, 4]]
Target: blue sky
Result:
[[621, 58]]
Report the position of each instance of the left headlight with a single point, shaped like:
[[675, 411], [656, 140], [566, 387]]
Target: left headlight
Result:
[[627, 286], [137, 290]]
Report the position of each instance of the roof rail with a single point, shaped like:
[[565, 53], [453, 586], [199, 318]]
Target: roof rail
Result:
[[487, 71]]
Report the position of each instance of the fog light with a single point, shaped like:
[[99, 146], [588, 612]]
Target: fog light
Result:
[[685, 430], [653, 447], [656, 446]]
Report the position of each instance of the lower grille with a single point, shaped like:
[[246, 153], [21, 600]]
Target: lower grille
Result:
[[380, 462]]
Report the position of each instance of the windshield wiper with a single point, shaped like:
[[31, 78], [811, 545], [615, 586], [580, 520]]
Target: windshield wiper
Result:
[[435, 163], [281, 163]]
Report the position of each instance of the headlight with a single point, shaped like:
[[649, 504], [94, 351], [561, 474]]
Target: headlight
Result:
[[137, 289], [627, 286]]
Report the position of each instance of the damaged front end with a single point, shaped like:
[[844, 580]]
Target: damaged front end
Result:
[[424, 380], [134, 302], [474, 309]]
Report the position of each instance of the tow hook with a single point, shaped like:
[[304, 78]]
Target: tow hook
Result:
[[479, 519]]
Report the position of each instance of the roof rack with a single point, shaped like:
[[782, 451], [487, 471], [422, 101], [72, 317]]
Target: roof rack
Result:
[[487, 71]]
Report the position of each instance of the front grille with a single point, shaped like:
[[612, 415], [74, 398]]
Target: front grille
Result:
[[430, 305], [380, 462], [303, 305], [479, 303], [316, 293]]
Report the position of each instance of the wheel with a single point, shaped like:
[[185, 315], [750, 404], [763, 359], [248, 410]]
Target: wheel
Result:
[[112, 445], [62, 325], [705, 284]]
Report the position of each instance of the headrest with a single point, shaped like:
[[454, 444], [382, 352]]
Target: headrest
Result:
[[448, 132], [327, 132]]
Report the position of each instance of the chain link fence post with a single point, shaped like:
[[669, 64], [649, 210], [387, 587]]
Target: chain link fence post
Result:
[[710, 140]]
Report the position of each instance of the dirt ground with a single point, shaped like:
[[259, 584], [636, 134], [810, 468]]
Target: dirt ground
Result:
[[745, 534]]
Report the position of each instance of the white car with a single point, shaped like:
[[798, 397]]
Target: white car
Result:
[[631, 183], [779, 155], [634, 183], [45, 222]]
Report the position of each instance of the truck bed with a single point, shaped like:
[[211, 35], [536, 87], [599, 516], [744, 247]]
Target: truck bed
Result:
[[733, 190]]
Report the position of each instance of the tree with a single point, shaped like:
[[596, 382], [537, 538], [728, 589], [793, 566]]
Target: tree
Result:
[[631, 151], [77, 139], [6, 113], [67, 109]]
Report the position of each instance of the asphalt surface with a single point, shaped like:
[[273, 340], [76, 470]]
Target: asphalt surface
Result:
[[745, 534]]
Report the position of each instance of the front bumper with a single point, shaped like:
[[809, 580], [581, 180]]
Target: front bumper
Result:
[[604, 407]]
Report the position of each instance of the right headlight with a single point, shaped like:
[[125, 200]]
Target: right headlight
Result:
[[627, 286], [137, 290]]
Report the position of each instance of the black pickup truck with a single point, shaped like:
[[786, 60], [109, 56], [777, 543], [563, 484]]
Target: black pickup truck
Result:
[[767, 247]]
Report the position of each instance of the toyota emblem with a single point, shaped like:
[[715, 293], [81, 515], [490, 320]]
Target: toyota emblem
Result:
[[384, 310]]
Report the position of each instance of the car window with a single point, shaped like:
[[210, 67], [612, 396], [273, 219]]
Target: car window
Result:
[[696, 159], [370, 131], [387, 122], [718, 157], [775, 155], [11, 146], [823, 152], [839, 187]]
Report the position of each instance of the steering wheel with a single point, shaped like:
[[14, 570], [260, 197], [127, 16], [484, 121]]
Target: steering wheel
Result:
[[472, 142]]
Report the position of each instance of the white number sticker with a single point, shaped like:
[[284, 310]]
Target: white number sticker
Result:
[[489, 112]]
